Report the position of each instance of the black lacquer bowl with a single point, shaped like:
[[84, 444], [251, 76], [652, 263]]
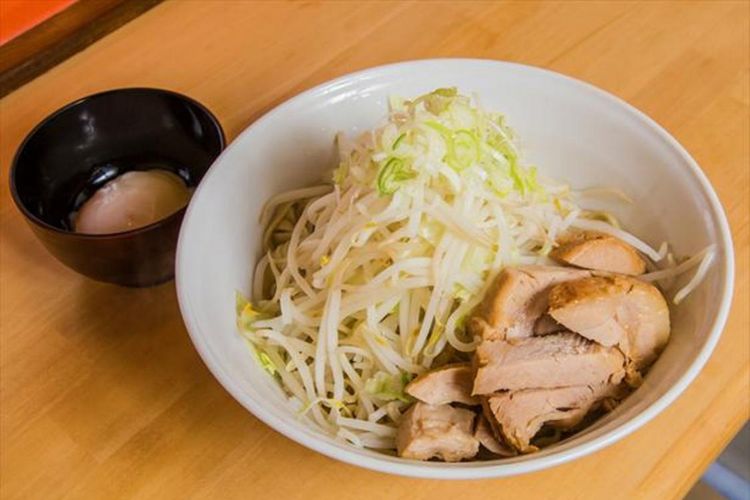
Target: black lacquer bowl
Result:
[[80, 147]]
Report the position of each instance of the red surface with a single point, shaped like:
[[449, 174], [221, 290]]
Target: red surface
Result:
[[18, 16]]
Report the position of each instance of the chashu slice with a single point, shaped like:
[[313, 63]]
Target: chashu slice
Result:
[[436, 431], [487, 438], [447, 384], [598, 251], [546, 324], [554, 360], [517, 298], [519, 415], [615, 311]]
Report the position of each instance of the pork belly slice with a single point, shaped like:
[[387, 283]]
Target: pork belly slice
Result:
[[486, 436], [519, 415], [447, 384], [555, 360], [615, 311], [598, 251], [517, 298], [437, 431], [546, 324]]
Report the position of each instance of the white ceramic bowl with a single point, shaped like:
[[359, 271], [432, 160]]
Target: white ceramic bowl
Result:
[[570, 129]]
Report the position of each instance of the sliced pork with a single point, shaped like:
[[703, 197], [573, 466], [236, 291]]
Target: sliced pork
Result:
[[517, 298], [437, 431], [615, 311], [487, 438], [447, 384], [546, 324], [519, 415], [555, 360], [599, 251]]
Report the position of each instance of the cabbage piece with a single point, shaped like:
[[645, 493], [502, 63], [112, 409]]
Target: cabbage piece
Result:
[[388, 387]]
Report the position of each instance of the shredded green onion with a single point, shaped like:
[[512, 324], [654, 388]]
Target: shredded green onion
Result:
[[392, 174]]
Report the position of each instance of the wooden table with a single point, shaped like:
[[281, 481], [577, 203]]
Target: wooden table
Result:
[[102, 393]]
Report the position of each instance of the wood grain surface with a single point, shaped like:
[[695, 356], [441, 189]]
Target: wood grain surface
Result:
[[62, 35], [102, 394]]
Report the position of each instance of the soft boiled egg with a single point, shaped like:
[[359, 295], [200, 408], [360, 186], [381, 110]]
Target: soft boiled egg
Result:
[[132, 200]]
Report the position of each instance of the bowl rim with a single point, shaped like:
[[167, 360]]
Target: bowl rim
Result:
[[492, 469], [175, 216]]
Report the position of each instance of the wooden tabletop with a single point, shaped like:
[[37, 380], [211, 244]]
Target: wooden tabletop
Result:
[[102, 394]]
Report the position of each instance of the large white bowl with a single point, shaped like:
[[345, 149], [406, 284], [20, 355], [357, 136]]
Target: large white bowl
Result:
[[570, 129]]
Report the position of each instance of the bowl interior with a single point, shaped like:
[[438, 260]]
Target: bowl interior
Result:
[[570, 130], [82, 146]]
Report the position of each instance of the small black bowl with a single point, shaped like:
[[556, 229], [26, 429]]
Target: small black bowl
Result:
[[78, 148]]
